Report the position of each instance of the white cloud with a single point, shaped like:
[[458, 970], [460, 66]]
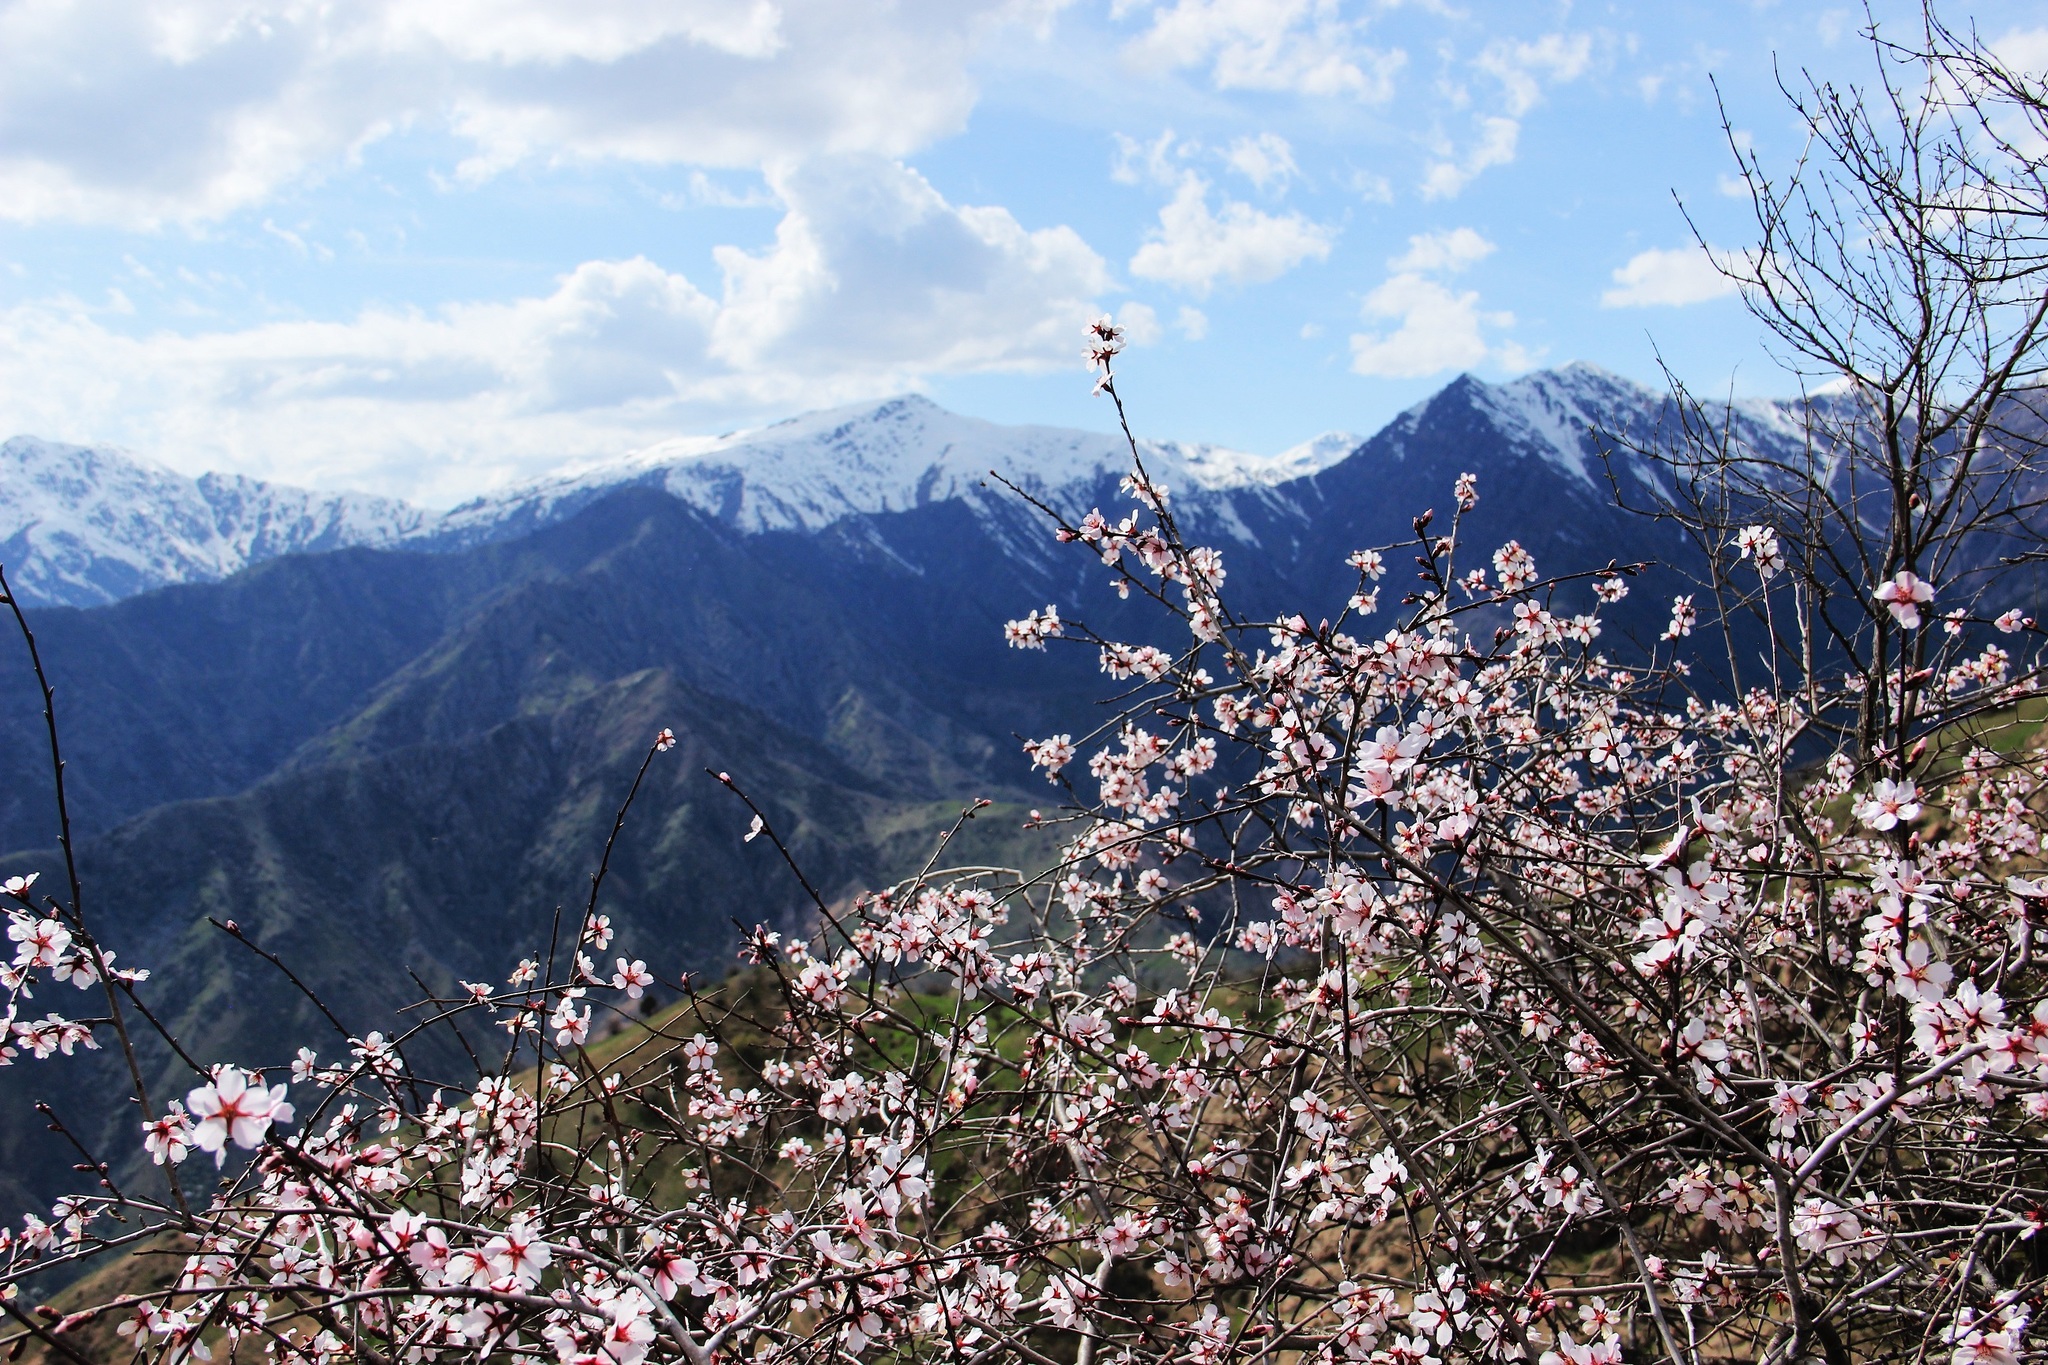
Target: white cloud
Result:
[[1264, 159], [1434, 327], [1267, 160], [291, 239], [1373, 188], [1448, 251], [1523, 69], [1157, 161], [1438, 330], [705, 192], [1495, 146], [1669, 278], [184, 110], [1193, 323], [537, 31], [1300, 46], [2024, 49], [1140, 322], [872, 282], [1193, 247]]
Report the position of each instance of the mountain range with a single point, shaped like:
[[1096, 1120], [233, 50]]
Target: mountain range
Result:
[[388, 743], [89, 525]]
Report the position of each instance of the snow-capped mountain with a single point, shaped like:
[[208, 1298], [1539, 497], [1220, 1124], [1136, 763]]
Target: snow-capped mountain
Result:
[[810, 471], [86, 525], [1550, 415]]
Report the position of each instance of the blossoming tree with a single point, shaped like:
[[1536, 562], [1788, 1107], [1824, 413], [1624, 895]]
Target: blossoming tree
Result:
[[1435, 980]]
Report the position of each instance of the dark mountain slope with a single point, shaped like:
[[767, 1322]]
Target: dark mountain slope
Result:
[[448, 860], [198, 691], [201, 689], [747, 617]]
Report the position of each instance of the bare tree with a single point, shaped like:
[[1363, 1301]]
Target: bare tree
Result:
[[1900, 270]]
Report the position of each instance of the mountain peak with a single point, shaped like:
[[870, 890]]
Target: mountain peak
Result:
[[1551, 413], [903, 407], [808, 471], [1586, 369], [84, 525]]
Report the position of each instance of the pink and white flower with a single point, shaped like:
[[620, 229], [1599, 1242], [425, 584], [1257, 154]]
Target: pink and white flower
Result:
[[237, 1107], [1903, 594]]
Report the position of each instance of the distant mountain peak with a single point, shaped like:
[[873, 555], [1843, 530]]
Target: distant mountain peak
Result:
[[85, 525], [1550, 413], [1589, 370], [806, 472]]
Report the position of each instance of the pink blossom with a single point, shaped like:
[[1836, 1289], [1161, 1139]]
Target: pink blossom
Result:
[[1903, 594], [632, 977], [168, 1137], [1889, 803], [519, 1253], [235, 1106]]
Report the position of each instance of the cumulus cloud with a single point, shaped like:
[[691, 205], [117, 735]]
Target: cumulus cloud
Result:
[[1264, 160], [872, 282], [1493, 146], [1434, 326], [1301, 46], [185, 110], [1158, 161], [1437, 329], [1522, 69], [1193, 247], [1667, 278], [1267, 160], [2023, 49], [1140, 322], [1451, 251]]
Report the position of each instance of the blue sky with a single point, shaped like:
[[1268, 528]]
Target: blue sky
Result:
[[430, 249]]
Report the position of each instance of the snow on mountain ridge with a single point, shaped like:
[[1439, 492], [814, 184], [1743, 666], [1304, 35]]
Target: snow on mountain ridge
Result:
[[1552, 414], [1552, 410], [812, 470], [86, 525]]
